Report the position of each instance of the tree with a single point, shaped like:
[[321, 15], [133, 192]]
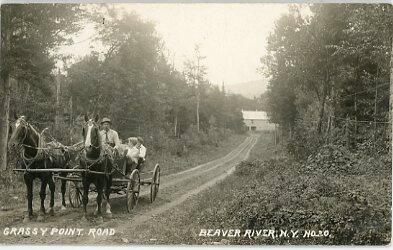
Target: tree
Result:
[[195, 73], [391, 98], [325, 58], [29, 33]]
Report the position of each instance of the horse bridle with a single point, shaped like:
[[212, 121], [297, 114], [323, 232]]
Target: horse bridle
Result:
[[26, 161], [25, 125]]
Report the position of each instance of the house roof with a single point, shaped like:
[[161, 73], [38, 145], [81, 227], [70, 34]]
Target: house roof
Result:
[[254, 115]]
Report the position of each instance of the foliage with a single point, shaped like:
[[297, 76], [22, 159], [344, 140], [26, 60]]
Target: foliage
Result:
[[34, 30], [336, 190], [131, 82], [317, 62], [303, 142], [142, 93], [346, 193]]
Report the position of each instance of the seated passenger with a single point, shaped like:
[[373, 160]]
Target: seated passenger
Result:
[[132, 155], [142, 153]]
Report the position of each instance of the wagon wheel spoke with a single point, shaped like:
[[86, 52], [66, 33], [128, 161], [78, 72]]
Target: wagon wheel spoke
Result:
[[133, 188], [74, 194], [155, 182]]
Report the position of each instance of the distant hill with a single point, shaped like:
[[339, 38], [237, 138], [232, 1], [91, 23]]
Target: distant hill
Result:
[[248, 89]]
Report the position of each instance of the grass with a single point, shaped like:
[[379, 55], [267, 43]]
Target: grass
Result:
[[273, 192], [172, 163]]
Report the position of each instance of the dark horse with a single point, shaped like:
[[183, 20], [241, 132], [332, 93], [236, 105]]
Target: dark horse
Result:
[[96, 157], [72, 153], [29, 144]]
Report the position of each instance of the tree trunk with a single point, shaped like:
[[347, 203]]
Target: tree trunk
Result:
[[322, 111], [71, 121], [4, 121], [391, 99], [197, 112], [6, 83], [57, 116], [175, 123]]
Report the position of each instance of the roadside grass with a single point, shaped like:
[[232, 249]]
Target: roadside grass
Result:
[[14, 191], [351, 203], [170, 163]]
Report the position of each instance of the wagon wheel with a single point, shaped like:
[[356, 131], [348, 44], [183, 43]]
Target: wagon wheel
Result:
[[155, 183], [133, 189], [74, 194]]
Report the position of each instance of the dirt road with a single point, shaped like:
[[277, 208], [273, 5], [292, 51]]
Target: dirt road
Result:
[[66, 227]]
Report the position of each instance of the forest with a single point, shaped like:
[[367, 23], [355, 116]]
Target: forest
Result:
[[131, 81], [329, 72]]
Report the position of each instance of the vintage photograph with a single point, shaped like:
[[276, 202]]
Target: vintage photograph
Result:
[[196, 124]]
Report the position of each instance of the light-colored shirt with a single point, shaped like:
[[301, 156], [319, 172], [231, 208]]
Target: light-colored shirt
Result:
[[133, 154], [110, 136], [142, 152]]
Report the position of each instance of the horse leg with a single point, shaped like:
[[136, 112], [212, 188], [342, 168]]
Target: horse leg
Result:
[[52, 188], [85, 198], [29, 186], [44, 182], [108, 185], [100, 188], [63, 194]]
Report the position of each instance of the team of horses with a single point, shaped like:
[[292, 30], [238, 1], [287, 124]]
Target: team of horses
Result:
[[35, 154]]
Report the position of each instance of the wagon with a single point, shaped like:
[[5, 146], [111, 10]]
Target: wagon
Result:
[[122, 183]]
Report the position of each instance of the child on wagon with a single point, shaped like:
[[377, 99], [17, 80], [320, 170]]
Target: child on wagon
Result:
[[142, 153], [132, 154]]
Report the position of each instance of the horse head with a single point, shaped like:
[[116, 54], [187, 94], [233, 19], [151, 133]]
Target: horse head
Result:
[[22, 135], [19, 132]]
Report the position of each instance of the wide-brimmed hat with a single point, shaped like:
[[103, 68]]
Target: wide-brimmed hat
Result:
[[105, 119]]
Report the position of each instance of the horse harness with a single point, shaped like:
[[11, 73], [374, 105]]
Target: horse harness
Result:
[[42, 152]]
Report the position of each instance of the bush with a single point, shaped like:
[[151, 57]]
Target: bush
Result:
[[284, 194], [331, 158], [303, 142], [176, 146]]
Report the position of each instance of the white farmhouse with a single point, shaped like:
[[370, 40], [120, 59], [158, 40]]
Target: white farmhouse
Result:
[[257, 121]]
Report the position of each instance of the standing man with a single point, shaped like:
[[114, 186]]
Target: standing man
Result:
[[108, 135]]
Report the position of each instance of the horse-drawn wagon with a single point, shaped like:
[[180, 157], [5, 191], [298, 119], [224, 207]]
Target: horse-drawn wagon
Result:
[[122, 184], [95, 164]]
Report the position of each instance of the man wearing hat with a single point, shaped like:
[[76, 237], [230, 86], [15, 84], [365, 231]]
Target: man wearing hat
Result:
[[108, 135]]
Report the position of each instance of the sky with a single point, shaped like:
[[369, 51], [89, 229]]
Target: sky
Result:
[[232, 37]]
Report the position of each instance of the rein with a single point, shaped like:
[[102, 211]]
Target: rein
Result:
[[47, 148], [41, 151]]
